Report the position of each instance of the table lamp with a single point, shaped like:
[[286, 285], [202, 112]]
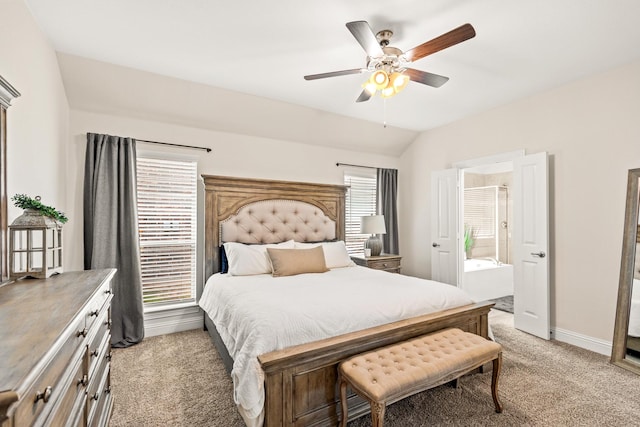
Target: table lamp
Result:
[[374, 225]]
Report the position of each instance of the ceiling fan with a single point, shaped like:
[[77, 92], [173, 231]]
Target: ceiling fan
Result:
[[389, 65]]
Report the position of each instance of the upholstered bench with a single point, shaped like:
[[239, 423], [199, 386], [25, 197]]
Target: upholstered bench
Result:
[[388, 374]]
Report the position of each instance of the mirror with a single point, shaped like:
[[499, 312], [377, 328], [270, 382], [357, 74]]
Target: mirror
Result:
[[626, 335]]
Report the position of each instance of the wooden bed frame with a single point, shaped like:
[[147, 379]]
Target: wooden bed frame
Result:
[[301, 383]]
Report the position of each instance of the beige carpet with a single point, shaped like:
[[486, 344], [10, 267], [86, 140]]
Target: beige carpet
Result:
[[179, 380]]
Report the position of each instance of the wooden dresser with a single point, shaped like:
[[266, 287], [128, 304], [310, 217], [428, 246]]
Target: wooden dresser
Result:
[[386, 262], [55, 350]]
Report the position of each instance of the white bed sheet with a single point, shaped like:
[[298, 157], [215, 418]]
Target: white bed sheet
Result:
[[259, 314]]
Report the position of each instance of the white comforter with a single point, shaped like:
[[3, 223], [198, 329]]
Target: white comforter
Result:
[[258, 314]]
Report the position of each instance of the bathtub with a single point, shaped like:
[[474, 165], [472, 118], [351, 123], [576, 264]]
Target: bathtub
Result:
[[484, 279]]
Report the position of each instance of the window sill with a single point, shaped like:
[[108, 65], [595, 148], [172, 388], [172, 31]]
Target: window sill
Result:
[[169, 307]]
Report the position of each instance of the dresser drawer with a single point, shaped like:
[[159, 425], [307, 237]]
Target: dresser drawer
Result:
[[97, 351], [99, 304], [46, 389], [74, 388], [99, 386]]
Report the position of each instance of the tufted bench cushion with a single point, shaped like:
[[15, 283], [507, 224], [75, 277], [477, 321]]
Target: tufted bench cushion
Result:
[[391, 373]]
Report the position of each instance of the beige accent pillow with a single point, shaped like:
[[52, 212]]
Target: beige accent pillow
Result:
[[289, 262]]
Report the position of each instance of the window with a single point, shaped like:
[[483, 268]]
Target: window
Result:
[[167, 228], [360, 201]]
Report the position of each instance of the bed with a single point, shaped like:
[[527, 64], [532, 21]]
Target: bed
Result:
[[300, 381]]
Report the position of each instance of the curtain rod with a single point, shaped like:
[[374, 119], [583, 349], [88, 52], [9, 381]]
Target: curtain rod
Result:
[[175, 145], [356, 166]]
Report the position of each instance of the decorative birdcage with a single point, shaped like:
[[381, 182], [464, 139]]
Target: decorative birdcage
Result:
[[35, 246]]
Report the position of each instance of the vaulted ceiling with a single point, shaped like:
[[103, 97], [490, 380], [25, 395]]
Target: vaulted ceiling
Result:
[[263, 49]]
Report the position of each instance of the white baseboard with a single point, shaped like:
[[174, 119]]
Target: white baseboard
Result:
[[582, 341], [173, 320]]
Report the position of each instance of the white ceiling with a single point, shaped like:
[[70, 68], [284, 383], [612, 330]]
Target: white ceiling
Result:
[[264, 48]]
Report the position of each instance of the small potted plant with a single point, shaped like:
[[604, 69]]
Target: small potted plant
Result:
[[468, 240]]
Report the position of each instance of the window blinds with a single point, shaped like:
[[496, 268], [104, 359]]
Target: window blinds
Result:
[[167, 229], [360, 201]]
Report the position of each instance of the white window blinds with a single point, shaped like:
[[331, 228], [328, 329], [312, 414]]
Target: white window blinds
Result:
[[360, 201], [167, 229]]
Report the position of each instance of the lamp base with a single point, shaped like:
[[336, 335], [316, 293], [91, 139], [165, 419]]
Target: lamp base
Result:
[[375, 244]]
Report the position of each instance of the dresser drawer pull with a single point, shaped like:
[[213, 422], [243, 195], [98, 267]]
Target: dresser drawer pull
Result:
[[108, 357], [83, 381], [96, 396], [108, 323], [94, 313], [45, 395], [94, 353], [82, 333], [108, 390], [108, 291], [385, 265]]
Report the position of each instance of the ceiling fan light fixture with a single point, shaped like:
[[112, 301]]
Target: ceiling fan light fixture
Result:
[[369, 87], [398, 81], [387, 92], [380, 79]]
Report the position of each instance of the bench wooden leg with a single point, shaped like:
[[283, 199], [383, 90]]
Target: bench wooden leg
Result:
[[497, 365], [377, 413], [343, 402]]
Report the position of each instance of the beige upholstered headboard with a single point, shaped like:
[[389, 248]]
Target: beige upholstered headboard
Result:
[[264, 211]]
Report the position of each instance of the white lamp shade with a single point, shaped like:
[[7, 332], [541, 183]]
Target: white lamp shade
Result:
[[373, 224]]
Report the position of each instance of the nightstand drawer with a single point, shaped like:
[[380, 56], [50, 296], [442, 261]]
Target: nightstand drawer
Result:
[[387, 264]]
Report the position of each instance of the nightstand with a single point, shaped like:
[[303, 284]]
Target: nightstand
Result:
[[386, 262]]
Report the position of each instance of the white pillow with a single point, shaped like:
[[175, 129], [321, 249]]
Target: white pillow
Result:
[[335, 253], [247, 260]]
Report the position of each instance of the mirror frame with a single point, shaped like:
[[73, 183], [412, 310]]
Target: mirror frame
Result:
[[7, 94], [627, 266]]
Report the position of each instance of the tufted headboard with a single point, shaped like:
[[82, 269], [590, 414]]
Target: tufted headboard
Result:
[[265, 211]]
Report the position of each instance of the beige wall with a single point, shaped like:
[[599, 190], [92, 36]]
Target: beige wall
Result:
[[232, 155], [37, 121], [590, 129]]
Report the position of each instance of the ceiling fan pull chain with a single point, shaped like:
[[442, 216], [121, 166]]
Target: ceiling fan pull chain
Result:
[[384, 112]]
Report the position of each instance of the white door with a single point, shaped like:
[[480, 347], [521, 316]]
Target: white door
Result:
[[444, 227], [531, 245]]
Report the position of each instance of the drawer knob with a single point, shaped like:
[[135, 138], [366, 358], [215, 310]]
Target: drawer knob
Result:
[[45, 395], [94, 313], [96, 396], [385, 265], [83, 381], [107, 390], [82, 333], [108, 323], [108, 291], [94, 353], [108, 356]]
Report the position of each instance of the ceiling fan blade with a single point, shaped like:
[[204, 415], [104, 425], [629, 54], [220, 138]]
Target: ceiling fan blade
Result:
[[364, 35], [426, 78], [334, 74], [453, 37], [364, 96]]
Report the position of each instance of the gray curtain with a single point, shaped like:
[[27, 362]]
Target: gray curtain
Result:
[[111, 229], [387, 206]]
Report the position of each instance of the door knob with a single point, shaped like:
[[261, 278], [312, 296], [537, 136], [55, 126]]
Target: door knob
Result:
[[435, 245], [539, 254]]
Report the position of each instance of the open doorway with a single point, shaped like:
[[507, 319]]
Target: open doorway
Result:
[[525, 247], [487, 213]]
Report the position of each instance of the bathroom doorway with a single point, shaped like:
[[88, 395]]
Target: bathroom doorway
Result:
[[487, 211], [527, 230]]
